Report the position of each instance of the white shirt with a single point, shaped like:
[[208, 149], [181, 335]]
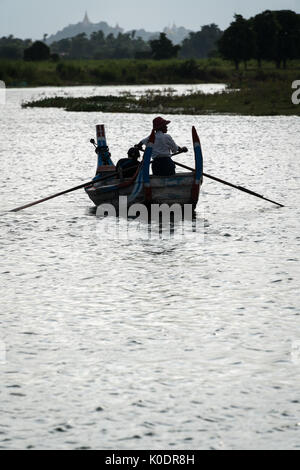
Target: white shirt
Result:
[[163, 146]]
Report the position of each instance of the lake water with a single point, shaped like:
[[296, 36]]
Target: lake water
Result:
[[114, 338]]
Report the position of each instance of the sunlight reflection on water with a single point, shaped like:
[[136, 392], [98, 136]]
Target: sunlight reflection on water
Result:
[[148, 342]]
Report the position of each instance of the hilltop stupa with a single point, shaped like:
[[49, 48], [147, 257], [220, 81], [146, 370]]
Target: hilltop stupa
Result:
[[86, 20], [87, 27]]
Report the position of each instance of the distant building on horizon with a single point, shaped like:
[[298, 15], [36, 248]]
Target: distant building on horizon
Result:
[[86, 19], [174, 33], [85, 26]]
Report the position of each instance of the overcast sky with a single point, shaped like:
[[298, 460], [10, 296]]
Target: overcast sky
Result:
[[33, 18]]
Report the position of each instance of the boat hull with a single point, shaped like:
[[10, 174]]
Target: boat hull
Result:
[[165, 190]]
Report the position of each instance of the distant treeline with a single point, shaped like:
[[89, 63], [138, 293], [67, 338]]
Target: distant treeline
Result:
[[268, 36], [271, 35], [198, 45], [113, 72]]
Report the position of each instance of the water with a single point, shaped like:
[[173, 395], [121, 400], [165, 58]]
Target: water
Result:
[[181, 341]]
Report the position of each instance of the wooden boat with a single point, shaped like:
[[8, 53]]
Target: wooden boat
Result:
[[144, 188]]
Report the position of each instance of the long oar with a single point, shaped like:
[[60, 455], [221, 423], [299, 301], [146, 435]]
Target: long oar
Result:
[[241, 188], [84, 185]]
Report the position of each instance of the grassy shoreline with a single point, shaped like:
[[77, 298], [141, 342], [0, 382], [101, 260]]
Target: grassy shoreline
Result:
[[255, 100], [257, 91]]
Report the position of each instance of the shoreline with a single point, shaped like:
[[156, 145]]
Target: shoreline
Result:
[[255, 101], [254, 91]]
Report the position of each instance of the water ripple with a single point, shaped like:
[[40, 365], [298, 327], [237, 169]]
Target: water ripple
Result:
[[183, 341]]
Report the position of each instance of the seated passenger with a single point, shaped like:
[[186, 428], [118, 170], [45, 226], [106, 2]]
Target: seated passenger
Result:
[[127, 167]]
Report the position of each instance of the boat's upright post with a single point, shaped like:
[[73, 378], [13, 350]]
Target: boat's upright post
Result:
[[146, 168], [104, 161]]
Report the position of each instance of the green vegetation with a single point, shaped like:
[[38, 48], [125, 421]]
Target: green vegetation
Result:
[[140, 72], [98, 46], [121, 46], [254, 93], [201, 44], [263, 44], [270, 35], [163, 48], [113, 72], [38, 51], [13, 48]]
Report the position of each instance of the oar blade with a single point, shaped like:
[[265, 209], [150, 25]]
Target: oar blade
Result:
[[198, 178], [195, 136]]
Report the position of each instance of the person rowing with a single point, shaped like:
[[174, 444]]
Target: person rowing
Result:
[[163, 148]]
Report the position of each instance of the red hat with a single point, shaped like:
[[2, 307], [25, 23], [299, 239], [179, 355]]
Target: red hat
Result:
[[159, 122]]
